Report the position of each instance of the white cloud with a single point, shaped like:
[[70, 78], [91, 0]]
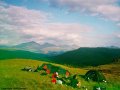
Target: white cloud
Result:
[[21, 16], [19, 24], [118, 24], [109, 11], [14, 19], [60, 32], [3, 42], [104, 8]]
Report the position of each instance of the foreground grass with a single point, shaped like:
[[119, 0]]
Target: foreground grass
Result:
[[11, 76]]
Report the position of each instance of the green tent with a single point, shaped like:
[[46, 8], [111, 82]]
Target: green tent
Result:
[[52, 69], [42, 67], [95, 75]]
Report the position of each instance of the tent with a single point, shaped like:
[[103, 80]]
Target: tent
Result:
[[49, 68], [95, 75]]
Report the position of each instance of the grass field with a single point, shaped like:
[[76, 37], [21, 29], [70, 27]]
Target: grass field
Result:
[[13, 78]]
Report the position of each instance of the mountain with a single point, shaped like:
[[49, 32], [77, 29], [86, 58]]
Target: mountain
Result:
[[47, 45], [29, 46], [55, 53], [46, 48], [115, 47], [33, 45], [3, 46], [88, 56], [36, 47], [11, 54]]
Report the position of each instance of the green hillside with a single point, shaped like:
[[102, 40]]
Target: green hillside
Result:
[[11, 76], [88, 56], [11, 54]]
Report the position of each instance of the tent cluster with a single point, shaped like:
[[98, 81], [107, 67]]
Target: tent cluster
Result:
[[63, 76], [49, 68]]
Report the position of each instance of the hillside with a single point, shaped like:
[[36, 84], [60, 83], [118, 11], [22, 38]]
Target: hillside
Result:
[[11, 54], [88, 56], [13, 77]]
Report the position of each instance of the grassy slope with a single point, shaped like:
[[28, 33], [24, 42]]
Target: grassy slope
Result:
[[12, 54], [12, 76]]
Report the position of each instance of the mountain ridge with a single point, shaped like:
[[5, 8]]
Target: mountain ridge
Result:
[[88, 56], [45, 48]]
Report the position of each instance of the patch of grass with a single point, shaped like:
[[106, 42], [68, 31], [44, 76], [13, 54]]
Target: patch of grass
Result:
[[11, 76]]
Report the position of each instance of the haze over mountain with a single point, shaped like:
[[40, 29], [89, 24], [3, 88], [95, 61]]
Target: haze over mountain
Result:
[[3, 46], [83, 56], [32, 46]]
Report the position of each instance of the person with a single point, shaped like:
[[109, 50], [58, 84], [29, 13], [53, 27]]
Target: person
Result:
[[79, 84], [47, 71], [67, 74], [74, 82], [54, 80], [54, 76]]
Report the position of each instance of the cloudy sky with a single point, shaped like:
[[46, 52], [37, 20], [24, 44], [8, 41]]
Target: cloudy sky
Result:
[[78, 23]]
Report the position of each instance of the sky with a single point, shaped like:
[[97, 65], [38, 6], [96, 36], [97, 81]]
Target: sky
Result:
[[77, 23]]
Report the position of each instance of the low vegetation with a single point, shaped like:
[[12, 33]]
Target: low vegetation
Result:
[[11, 76]]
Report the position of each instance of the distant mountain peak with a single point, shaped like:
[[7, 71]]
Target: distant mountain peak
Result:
[[113, 47], [48, 44], [34, 46], [31, 42]]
